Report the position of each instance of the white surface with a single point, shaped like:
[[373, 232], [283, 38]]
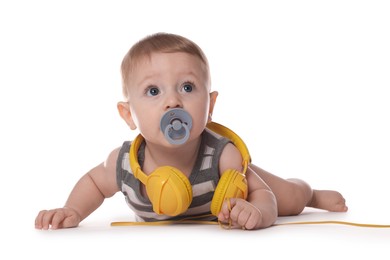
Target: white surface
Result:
[[313, 76]]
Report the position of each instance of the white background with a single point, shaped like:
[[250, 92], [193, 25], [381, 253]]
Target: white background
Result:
[[304, 83]]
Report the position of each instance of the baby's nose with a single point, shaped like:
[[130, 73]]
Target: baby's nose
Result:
[[173, 101]]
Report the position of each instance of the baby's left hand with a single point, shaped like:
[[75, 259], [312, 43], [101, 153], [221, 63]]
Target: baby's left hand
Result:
[[241, 213]]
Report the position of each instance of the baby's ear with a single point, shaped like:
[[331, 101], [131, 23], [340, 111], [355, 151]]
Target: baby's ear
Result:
[[213, 99], [125, 113]]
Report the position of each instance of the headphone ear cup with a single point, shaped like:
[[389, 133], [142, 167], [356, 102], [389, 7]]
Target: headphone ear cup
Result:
[[169, 190], [231, 185]]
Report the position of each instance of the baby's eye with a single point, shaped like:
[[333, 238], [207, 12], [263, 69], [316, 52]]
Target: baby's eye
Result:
[[187, 87], [152, 91]]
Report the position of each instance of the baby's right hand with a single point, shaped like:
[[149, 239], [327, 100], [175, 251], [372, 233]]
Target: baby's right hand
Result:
[[57, 218]]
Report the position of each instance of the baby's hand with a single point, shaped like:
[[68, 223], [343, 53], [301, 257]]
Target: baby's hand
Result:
[[241, 213], [57, 218]]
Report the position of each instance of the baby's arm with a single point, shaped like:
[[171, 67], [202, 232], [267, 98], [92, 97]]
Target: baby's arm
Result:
[[260, 208], [87, 195]]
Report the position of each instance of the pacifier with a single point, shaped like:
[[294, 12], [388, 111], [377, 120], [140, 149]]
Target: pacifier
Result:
[[176, 125]]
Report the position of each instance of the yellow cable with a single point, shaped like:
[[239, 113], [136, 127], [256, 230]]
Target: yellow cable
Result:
[[193, 220], [228, 226], [334, 222]]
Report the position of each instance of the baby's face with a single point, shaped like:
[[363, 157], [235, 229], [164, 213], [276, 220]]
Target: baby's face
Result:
[[166, 81]]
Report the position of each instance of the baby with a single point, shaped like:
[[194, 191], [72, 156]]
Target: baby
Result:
[[182, 165]]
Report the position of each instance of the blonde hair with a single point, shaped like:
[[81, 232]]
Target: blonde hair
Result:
[[159, 42]]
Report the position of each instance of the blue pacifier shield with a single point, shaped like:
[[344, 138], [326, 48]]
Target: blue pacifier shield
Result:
[[176, 125]]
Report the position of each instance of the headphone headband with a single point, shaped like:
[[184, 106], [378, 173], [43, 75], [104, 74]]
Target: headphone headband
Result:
[[218, 128], [170, 191], [133, 158]]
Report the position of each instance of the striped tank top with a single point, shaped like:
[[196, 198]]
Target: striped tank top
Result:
[[203, 178]]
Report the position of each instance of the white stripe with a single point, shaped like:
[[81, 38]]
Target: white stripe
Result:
[[218, 136], [132, 195], [126, 163], [199, 209], [209, 150], [206, 163], [202, 188]]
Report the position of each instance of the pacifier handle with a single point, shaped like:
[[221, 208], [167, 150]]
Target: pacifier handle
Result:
[[171, 127], [176, 125]]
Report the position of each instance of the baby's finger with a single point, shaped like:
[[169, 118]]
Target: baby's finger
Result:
[[227, 206], [46, 219], [57, 219], [236, 208], [242, 218], [38, 219]]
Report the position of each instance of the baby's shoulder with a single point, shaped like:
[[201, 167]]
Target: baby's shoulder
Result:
[[112, 159], [230, 158]]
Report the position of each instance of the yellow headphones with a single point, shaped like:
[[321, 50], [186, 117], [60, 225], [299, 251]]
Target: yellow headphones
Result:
[[169, 189]]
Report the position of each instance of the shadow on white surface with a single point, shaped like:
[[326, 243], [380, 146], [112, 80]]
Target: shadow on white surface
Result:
[[95, 238]]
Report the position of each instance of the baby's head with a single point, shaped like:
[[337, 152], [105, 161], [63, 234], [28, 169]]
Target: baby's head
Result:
[[158, 43], [160, 73]]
